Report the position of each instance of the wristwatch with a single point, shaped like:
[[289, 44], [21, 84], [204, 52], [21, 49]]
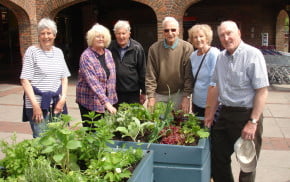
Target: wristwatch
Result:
[[254, 121]]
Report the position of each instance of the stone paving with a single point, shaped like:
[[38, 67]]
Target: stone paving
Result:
[[274, 162]]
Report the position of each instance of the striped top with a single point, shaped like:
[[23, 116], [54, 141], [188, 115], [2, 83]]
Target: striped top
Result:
[[94, 88], [44, 70]]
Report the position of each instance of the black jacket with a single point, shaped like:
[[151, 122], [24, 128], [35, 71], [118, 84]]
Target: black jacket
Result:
[[130, 71]]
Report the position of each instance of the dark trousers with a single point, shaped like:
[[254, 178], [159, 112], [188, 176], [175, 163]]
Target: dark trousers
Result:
[[86, 120], [128, 97], [198, 111], [224, 135]]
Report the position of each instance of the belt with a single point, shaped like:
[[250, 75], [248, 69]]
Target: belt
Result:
[[232, 108]]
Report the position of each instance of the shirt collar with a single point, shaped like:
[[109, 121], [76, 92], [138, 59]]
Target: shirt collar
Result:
[[174, 45], [237, 51], [126, 47]]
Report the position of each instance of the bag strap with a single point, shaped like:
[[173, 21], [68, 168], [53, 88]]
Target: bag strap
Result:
[[194, 79]]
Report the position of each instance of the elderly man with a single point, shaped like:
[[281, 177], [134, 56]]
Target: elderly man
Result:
[[130, 61], [168, 72], [241, 87]]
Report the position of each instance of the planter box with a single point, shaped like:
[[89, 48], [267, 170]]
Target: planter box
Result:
[[144, 170], [177, 163]]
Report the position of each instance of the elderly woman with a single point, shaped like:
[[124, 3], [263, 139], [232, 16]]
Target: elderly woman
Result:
[[44, 79], [203, 61], [96, 86]]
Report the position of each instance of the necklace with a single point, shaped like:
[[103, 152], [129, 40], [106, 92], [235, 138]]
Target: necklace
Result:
[[49, 54]]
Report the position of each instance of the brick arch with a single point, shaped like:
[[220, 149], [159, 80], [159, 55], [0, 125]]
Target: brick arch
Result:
[[24, 24], [282, 43], [52, 7], [163, 8]]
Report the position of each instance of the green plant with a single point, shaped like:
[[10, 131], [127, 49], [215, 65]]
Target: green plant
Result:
[[192, 129], [166, 126], [67, 154], [114, 165], [59, 144], [18, 155]]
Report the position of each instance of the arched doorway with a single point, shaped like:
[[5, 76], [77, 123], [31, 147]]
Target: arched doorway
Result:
[[282, 32], [74, 21], [10, 57]]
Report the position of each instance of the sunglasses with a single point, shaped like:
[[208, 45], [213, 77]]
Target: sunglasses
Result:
[[172, 30]]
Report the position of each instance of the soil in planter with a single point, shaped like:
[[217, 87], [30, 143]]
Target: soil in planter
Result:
[[169, 138], [144, 139]]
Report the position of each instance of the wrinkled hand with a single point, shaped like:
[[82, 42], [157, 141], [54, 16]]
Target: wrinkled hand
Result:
[[59, 106], [185, 105], [208, 118], [142, 98], [249, 130], [151, 103], [37, 114], [110, 108]]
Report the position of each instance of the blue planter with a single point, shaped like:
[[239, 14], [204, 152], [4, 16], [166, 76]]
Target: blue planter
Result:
[[144, 170], [177, 163]]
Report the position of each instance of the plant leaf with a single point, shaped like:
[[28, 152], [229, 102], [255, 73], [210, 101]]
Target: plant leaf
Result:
[[73, 144], [47, 140], [58, 157], [48, 149]]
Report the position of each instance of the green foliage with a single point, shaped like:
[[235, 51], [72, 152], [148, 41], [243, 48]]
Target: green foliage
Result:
[[114, 165], [131, 120], [135, 121], [18, 155], [67, 154], [192, 129]]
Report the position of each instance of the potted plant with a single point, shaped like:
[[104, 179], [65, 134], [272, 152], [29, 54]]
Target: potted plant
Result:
[[74, 153], [180, 144]]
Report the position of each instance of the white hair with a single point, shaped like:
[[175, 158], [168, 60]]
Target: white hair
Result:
[[229, 23], [169, 19], [47, 23], [96, 30], [122, 24]]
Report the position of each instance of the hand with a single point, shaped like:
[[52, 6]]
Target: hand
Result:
[[208, 118], [59, 106], [151, 103], [142, 98], [37, 114], [185, 104], [208, 122], [110, 108], [249, 130]]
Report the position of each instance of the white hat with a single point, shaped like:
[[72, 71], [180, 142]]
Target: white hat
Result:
[[246, 154]]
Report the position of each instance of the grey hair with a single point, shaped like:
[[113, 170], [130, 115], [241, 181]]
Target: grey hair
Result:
[[229, 23], [122, 24], [169, 19], [47, 23], [96, 30]]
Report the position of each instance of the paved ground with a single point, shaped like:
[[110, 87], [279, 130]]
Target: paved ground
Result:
[[274, 162]]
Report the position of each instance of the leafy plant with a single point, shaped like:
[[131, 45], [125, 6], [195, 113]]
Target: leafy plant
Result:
[[67, 154], [114, 166], [18, 155], [162, 125]]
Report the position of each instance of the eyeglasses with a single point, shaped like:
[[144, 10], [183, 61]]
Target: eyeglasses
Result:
[[172, 30]]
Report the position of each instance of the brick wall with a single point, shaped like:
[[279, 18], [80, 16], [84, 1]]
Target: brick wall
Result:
[[252, 22]]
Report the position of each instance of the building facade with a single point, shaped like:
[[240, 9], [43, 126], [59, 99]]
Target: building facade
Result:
[[264, 23]]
